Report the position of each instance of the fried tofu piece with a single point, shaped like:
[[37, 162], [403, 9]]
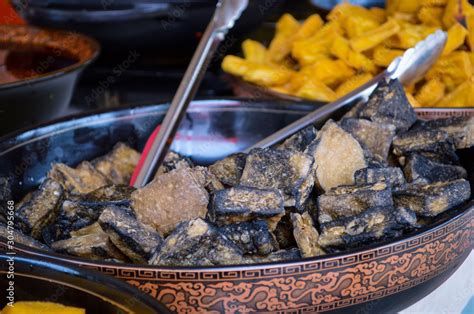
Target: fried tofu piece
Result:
[[20, 238], [306, 235], [119, 164], [95, 246], [288, 171], [432, 143], [388, 104], [406, 218], [241, 203], [135, 240], [375, 137], [252, 237], [278, 256], [374, 224], [352, 84], [81, 211], [115, 194], [299, 141], [41, 210], [435, 198], [197, 243], [392, 176], [459, 129], [337, 156], [347, 201], [421, 170], [383, 56], [341, 49], [169, 199], [81, 180], [456, 37], [229, 170], [174, 161]]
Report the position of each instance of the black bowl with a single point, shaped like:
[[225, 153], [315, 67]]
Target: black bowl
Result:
[[46, 95], [44, 280], [379, 278]]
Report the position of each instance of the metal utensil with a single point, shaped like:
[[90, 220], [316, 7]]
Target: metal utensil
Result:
[[408, 68], [227, 12]]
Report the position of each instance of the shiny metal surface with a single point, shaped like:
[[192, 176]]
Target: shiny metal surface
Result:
[[408, 68], [227, 12]]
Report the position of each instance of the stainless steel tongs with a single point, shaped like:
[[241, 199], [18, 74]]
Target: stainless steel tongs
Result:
[[227, 12]]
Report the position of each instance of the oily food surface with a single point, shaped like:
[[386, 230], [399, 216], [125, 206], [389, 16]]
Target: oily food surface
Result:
[[317, 192]]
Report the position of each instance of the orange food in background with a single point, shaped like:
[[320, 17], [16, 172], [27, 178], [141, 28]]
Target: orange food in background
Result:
[[8, 14]]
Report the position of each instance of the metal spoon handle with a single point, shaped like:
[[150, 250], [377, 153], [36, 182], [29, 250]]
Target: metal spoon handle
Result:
[[227, 11]]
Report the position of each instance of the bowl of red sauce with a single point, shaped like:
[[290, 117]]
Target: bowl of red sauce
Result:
[[38, 72]]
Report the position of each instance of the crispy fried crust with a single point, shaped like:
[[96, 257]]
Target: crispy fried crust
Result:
[[421, 170], [392, 176], [81, 180], [433, 144], [388, 104], [21, 238], [174, 161], [288, 171], [337, 156], [242, 203], [252, 237], [374, 224], [433, 199], [229, 170], [169, 199], [459, 129], [347, 201], [197, 243], [134, 239], [375, 137], [41, 210], [300, 140], [119, 164], [94, 245], [306, 235], [77, 212]]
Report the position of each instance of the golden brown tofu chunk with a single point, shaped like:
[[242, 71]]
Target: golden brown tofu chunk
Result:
[[169, 199], [337, 156]]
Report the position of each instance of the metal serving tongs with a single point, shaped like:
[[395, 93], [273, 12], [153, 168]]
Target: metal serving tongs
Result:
[[227, 12], [408, 68]]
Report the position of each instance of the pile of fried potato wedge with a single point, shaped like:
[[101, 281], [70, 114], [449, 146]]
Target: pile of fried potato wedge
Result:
[[323, 60]]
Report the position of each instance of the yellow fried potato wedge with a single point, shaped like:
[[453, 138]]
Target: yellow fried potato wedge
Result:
[[280, 46], [383, 56], [431, 92], [374, 37], [462, 96], [254, 51], [353, 83], [431, 16], [330, 72], [317, 91], [452, 69], [235, 65], [403, 6], [433, 3], [456, 37], [35, 307], [268, 75], [341, 49]]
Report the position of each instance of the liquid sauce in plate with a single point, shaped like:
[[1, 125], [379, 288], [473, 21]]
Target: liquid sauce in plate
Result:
[[21, 63]]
